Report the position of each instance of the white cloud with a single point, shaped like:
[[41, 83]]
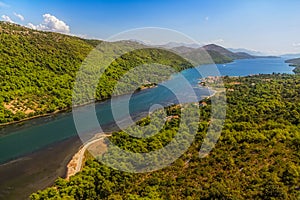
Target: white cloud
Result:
[[51, 23], [3, 5], [7, 18], [219, 41], [30, 25], [19, 16], [296, 44]]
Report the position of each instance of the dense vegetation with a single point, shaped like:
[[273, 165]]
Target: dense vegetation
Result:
[[256, 157], [38, 69]]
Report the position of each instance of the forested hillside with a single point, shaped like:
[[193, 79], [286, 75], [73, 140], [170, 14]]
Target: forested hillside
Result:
[[38, 69], [256, 157]]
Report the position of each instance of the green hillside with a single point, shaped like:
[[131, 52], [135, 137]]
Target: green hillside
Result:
[[202, 55], [38, 69], [256, 157], [227, 53]]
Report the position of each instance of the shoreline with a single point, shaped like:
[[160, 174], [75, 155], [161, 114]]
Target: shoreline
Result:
[[22, 176], [35, 117], [69, 109], [147, 88], [76, 163]]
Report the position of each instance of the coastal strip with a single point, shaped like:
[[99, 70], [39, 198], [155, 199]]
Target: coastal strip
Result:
[[76, 163]]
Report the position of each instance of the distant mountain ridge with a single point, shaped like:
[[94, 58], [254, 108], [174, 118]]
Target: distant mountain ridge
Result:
[[251, 52], [291, 56], [217, 53], [294, 61], [225, 52]]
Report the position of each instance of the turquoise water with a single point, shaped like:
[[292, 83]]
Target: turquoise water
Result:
[[253, 66], [32, 135], [23, 138]]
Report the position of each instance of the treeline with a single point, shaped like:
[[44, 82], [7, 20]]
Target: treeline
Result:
[[256, 157]]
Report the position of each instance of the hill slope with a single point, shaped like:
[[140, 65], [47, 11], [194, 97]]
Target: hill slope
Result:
[[226, 52], [202, 55], [217, 53], [38, 69]]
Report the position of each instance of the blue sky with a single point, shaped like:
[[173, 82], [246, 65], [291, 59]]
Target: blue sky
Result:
[[271, 26]]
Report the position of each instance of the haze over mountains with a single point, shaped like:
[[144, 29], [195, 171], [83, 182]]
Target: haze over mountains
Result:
[[189, 47], [251, 52], [290, 56]]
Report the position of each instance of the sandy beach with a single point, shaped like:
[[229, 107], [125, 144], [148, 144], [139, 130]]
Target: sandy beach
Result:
[[77, 161]]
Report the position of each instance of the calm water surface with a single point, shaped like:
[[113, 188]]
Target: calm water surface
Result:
[[23, 138]]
